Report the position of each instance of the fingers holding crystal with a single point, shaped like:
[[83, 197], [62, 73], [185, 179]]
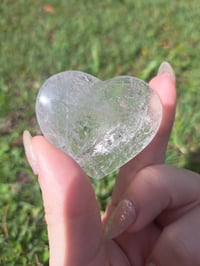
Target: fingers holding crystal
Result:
[[71, 210], [164, 85], [101, 124]]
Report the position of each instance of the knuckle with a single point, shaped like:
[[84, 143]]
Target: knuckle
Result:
[[151, 177], [178, 247]]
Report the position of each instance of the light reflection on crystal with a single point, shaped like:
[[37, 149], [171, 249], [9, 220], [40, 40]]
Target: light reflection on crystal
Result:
[[101, 124]]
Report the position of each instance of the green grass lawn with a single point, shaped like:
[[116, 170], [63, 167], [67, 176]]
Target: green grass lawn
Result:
[[104, 38]]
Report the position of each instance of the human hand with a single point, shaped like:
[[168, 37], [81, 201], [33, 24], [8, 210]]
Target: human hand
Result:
[[162, 208], [74, 224]]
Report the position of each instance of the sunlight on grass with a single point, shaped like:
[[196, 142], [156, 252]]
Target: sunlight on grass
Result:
[[104, 38]]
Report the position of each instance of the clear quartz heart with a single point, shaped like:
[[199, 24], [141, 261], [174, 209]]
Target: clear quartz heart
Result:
[[101, 124]]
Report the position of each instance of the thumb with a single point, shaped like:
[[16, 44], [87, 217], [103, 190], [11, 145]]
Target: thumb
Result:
[[71, 211]]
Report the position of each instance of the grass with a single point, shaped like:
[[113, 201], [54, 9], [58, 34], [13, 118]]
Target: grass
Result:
[[104, 38]]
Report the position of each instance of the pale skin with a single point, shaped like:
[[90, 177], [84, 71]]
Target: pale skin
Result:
[[165, 230]]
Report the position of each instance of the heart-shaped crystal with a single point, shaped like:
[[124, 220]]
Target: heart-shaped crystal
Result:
[[101, 124]]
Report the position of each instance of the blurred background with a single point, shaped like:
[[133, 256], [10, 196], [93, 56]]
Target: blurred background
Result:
[[104, 38]]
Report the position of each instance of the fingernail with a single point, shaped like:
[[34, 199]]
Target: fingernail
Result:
[[29, 151], [166, 68], [120, 219]]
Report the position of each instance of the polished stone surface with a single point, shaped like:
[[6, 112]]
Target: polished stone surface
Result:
[[101, 124]]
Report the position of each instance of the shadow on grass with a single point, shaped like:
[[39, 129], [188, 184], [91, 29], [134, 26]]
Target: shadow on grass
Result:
[[193, 161]]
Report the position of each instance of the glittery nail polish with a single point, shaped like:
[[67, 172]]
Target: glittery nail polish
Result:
[[120, 219]]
